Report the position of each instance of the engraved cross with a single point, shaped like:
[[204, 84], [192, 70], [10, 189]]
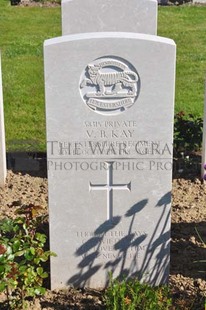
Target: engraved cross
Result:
[[109, 187]]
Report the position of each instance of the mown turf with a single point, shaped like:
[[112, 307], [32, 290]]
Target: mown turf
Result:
[[186, 25], [22, 33]]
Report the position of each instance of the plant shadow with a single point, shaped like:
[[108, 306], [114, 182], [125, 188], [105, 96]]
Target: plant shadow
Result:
[[132, 255]]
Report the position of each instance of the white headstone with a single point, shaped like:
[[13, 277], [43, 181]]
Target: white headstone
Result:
[[109, 114], [199, 1], [81, 16], [2, 136]]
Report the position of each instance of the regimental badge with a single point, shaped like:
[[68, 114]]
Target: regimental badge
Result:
[[109, 85]]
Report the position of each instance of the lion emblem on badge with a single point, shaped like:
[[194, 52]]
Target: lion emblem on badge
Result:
[[109, 85], [115, 79]]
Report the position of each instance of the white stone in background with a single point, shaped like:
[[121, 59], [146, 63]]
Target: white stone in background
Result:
[[80, 16], [2, 136], [199, 1], [109, 156]]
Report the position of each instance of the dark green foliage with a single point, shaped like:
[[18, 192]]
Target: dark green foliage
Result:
[[21, 257], [52, 1], [187, 133], [132, 295]]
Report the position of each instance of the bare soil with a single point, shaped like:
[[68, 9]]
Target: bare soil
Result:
[[188, 285]]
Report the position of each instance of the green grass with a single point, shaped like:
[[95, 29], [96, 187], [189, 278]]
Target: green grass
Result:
[[23, 31], [186, 25]]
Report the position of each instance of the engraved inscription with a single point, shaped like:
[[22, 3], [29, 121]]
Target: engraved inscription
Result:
[[108, 246], [109, 85], [111, 124], [109, 187]]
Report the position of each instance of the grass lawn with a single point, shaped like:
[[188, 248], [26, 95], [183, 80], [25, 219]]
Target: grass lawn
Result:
[[23, 31], [186, 25]]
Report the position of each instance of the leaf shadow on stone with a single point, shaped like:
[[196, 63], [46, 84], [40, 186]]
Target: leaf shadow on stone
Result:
[[88, 245], [88, 259], [86, 265], [125, 246], [136, 208], [121, 256], [107, 225], [158, 246], [82, 278]]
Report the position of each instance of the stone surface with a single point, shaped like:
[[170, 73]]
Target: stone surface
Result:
[[2, 136], [199, 1], [80, 16], [109, 113]]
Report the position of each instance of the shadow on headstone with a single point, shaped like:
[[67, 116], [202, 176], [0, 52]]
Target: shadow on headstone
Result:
[[131, 245]]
